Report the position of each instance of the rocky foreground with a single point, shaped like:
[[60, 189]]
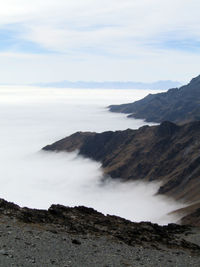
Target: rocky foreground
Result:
[[80, 236], [167, 153]]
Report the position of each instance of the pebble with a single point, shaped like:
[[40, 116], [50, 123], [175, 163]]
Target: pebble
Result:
[[37, 247], [76, 242]]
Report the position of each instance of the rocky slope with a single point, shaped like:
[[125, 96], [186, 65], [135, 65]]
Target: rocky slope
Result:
[[176, 105], [80, 236], [167, 153]]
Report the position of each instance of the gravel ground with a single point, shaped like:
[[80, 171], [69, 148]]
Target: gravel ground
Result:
[[32, 245]]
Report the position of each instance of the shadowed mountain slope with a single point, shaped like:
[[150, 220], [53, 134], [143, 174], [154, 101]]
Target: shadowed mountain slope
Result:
[[167, 153], [176, 105]]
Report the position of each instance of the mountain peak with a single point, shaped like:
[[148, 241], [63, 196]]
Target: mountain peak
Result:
[[195, 80]]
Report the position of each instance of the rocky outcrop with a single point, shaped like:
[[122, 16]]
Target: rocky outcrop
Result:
[[167, 153], [86, 221], [176, 105]]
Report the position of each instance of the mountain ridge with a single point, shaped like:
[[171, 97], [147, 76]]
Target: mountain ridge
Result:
[[179, 105], [167, 153], [81, 236]]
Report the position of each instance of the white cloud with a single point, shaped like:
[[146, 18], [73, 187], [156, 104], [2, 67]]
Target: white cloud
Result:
[[32, 118], [114, 31], [60, 24], [15, 55]]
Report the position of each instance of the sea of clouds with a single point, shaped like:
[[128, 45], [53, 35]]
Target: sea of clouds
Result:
[[31, 118]]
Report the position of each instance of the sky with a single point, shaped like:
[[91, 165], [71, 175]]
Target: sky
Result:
[[99, 40]]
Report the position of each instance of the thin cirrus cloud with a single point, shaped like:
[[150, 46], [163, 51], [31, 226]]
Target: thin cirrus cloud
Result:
[[63, 25], [10, 40], [134, 34]]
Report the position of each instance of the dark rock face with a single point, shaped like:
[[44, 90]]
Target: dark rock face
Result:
[[166, 153], [176, 105], [87, 221]]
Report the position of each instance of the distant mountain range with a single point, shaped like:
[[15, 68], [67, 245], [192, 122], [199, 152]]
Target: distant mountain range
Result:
[[159, 85], [176, 105]]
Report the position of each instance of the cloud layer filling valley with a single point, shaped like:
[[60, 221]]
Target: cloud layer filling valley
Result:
[[31, 118]]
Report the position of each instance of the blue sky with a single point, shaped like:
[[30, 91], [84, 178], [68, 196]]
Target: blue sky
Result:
[[140, 40], [10, 40]]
